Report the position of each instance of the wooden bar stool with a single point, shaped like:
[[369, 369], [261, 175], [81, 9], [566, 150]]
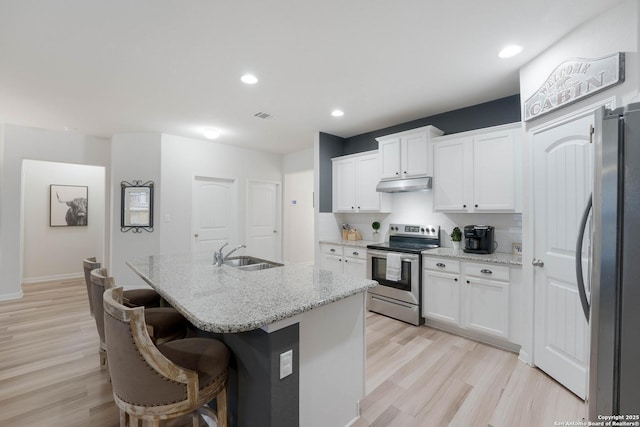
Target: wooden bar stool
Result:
[[163, 323], [132, 297], [174, 379]]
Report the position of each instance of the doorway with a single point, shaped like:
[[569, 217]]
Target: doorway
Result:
[[55, 253], [214, 214], [298, 224], [263, 220], [562, 183]]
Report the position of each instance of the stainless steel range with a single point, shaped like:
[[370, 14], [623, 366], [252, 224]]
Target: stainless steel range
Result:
[[398, 294]]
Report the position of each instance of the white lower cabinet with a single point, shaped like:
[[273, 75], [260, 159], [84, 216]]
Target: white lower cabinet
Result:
[[468, 295], [441, 290], [350, 260], [486, 299]]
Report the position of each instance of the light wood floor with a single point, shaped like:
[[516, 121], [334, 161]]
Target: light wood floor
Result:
[[50, 374], [419, 376]]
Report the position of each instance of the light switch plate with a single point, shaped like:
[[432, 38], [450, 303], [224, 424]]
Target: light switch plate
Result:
[[286, 364]]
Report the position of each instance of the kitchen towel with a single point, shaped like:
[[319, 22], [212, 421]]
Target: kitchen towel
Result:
[[394, 267]]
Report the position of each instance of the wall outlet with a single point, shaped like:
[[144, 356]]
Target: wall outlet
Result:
[[286, 364]]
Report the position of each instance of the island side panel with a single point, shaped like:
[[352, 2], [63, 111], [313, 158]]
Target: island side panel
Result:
[[332, 362], [263, 399]]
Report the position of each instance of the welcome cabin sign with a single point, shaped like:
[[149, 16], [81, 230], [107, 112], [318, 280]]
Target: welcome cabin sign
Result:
[[573, 80]]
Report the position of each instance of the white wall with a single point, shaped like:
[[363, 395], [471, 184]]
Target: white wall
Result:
[[172, 162], [135, 156], [298, 217], [615, 31], [55, 252], [181, 160], [298, 244], [36, 144], [298, 161]]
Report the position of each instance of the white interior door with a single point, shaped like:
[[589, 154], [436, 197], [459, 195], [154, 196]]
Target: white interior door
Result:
[[298, 217], [214, 215], [263, 220], [563, 181]]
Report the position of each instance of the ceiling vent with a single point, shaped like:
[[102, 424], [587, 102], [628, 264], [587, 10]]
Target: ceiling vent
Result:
[[262, 115]]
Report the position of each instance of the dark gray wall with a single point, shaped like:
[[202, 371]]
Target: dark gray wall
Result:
[[258, 397], [492, 113], [330, 146]]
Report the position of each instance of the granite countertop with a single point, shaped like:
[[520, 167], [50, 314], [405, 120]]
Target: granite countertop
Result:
[[357, 243], [228, 300], [495, 258]]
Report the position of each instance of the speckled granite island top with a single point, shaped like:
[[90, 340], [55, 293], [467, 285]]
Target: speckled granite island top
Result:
[[225, 299], [494, 258]]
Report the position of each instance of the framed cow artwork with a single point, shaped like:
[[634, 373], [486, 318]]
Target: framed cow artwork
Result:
[[68, 205]]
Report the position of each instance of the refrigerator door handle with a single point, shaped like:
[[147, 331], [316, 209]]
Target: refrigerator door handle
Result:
[[581, 289]]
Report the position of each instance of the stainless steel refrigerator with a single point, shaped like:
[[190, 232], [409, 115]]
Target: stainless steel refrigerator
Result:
[[611, 300]]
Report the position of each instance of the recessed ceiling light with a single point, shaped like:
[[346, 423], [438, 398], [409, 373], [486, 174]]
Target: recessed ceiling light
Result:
[[510, 51], [211, 133], [249, 79], [337, 113]]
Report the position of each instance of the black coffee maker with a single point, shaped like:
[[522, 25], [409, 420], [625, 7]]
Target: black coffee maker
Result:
[[478, 239]]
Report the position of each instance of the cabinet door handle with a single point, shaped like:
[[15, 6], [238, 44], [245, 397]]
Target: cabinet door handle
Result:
[[476, 206], [441, 265], [455, 279], [346, 260], [356, 253], [358, 207], [405, 172], [332, 250], [467, 281], [464, 206], [485, 271]]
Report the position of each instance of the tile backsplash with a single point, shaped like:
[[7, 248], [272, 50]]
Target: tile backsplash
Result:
[[416, 208]]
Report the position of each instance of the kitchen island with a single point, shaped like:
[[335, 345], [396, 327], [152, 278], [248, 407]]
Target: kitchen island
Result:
[[261, 315]]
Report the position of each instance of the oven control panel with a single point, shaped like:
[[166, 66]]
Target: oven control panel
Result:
[[414, 230]]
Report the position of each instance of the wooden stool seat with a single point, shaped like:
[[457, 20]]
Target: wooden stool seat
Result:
[[146, 298]]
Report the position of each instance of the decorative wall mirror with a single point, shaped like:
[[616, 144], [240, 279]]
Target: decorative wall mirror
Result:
[[136, 207]]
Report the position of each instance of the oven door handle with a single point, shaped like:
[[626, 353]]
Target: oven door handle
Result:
[[383, 254]]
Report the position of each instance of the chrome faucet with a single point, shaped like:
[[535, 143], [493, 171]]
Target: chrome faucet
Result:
[[218, 257]]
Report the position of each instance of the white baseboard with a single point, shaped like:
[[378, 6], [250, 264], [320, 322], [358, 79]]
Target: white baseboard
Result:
[[525, 357], [52, 278], [7, 297]]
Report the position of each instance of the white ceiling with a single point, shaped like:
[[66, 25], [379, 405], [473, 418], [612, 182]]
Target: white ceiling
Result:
[[103, 67]]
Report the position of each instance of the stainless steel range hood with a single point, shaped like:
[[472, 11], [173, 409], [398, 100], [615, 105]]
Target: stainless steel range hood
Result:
[[404, 185]]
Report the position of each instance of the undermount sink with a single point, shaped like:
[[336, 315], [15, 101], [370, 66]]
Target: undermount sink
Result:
[[249, 263]]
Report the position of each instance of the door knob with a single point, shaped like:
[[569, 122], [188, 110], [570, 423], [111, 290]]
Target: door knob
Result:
[[537, 263]]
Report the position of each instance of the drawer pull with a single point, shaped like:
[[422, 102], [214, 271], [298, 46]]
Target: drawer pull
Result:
[[356, 253], [455, 279], [332, 250], [485, 271], [441, 265]]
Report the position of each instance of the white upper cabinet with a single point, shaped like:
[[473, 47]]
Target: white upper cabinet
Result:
[[479, 171], [451, 175], [407, 154], [354, 184], [389, 150], [494, 171]]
